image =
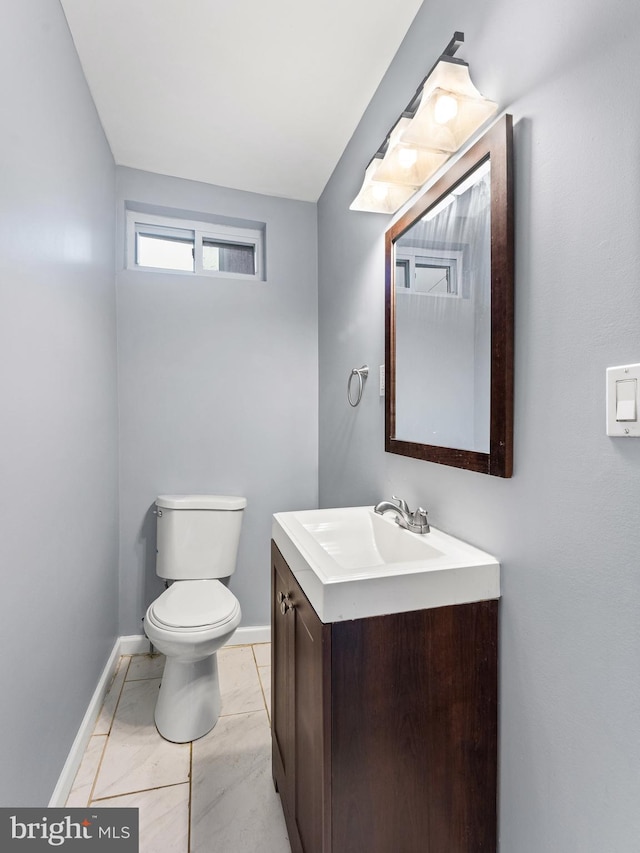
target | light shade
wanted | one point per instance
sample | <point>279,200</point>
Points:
<point>451,109</point>
<point>444,113</point>
<point>378,196</point>
<point>406,164</point>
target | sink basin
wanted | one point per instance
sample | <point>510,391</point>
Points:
<point>361,541</point>
<point>353,563</point>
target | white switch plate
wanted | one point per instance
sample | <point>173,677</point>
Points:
<point>623,373</point>
<point>382,380</point>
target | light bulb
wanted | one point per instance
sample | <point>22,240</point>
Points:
<point>379,191</point>
<point>407,157</point>
<point>445,109</point>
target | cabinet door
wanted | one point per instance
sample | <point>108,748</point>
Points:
<point>282,698</point>
<point>312,725</point>
<point>414,731</point>
<point>300,711</point>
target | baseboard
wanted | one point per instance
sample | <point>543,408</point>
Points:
<point>241,637</point>
<point>130,645</point>
<point>251,634</point>
<point>137,644</point>
<point>79,745</point>
<point>134,644</point>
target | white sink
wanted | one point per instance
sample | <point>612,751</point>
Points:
<point>353,563</point>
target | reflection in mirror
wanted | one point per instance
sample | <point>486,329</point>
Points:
<point>449,315</point>
<point>443,300</point>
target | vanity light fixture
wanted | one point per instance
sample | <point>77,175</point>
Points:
<point>445,112</point>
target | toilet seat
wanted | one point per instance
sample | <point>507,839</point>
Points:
<point>193,606</point>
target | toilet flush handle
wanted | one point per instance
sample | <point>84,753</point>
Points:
<point>157,512</point>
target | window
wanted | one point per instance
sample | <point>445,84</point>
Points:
<point>164,248</point>
<point>201,248</point>
<point>428,271</point>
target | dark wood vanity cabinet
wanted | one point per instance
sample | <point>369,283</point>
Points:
<point>301,660</point>
<point>384,729</point>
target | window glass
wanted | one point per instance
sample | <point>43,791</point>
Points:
<point>162,252</point>
<point>432,279</point>
<point>228,257</point>
<point>402,274</point>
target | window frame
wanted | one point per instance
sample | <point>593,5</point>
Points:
<point>166,226</point>
<point>452,260</point>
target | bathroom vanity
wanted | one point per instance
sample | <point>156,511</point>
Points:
<point>384,697</point>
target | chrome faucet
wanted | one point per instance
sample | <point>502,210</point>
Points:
<point>415,521</point>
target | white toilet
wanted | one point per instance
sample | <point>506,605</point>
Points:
<point>197,543</point>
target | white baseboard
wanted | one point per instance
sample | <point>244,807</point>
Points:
<point>251,634</point>
<point>136,644</point>
<point>62,789</point>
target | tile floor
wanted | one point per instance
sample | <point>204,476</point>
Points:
<point>214,795</point>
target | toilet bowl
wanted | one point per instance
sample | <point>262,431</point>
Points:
<point>188,623</point>
<point>197,614</point>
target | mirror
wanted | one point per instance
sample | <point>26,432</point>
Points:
<point>449,315</point>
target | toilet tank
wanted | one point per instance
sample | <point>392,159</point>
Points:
<point>197,535</point>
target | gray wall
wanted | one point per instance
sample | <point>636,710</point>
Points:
<point>218,386</point>
<point>565,527</point>
<point>58,453</point>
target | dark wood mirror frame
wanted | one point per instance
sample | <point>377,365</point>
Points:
<point>496,144</point>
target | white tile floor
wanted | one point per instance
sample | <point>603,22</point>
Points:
<point>214,795</point>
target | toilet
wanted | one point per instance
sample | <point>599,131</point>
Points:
<point>197,545</point>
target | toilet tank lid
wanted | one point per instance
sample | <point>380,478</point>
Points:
<point>223,502</point>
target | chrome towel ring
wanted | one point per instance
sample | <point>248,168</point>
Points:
<point>361,373</point>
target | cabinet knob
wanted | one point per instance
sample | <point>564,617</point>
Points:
<point>284,600</point>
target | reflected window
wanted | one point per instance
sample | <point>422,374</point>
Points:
<point>431,278</point>
<point>435,273</point>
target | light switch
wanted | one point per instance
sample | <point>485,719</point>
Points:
<point>626,393</point>
<point>622,400</point>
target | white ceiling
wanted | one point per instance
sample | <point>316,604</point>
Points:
<point>259,95</point>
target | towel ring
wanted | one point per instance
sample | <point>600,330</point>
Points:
<point>361,373</point>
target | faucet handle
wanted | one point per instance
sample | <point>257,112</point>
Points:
<point>419,521</point>
<point>401,503</point>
